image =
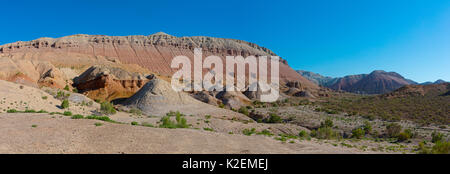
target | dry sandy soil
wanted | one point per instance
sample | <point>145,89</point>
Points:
<point>59,134</point>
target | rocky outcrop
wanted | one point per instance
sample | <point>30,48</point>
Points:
<point>154,52</point>
<point>108,83</point>
<point>158,98</point>
<point>32,73</point>
<point>233,99</point>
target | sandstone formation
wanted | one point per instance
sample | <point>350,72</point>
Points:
<point>108,83</point>
<point>32,73</point>
<point>154,52</point>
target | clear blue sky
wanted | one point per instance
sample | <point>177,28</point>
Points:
<point>334,38</point>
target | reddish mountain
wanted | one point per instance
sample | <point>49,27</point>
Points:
<point>154,52</point>
<point>377,82</point>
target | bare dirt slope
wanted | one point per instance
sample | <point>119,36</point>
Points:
<point>59,134</point>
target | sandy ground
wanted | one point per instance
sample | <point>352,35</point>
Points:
<point>60,134</point>
<point>21,97</point>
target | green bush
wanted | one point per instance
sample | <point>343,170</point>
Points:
<point>134,123</point>
<point>42,111</point>
<point>302,134</point>
<point>243,110</point>
<point>30,111</point>
<point>180,122</point>
<point>98,124</point>
<point>358,133</point>
<point>249,132</point>
<point>107,108</point>
<point>438,148</point>
<point>78,116</point>
<point>135,111</point>
<point>367,127</point>
<point>325,133</point>
<point>208,129</point>
<point>66,88</point>
<point>12,111</point>
<point>65,104</point>
<point>436,137</point>
<point>328,123</point>
<point>265,132</point>
<point>393,130</point>
<point>274,118</point>
<point>67,113</point>
<point>103,118</point>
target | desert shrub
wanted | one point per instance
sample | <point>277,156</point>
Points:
<point>243,110</point>
<point>66,88</point>
<point>67,113</point>
<point>78,116</point>
<point>107,108</point>
<point>44,97</point>
<point>325,133</point>
<point>135,111</point>
<point>265,132</point>
<point>75,90</point>
<point>436,137</point>
<point>303,134</point>
<point>65,104</point>
<point>393,130</point>
<point>166,122</point>
<point>208,129</point>
<point>358,133</point>
<point>98,124</point>
<point>438,148</point>
<point>221,105</point>
<point>134,123</point>
<point>30,111</point>
<point>405,135</point>
<point>12,111</point>
<point>327,123</point>
<point>441,147</point>
<point>367,127</point>
<point>96,117</point>
<point>274,118</point>
<point>249,132</point>
<point>147,124</point>
<point>42,111</point>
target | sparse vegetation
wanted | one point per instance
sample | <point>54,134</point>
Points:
<point>208,129</point>
<point>274,118</point>
<point>436,137</point>
<point>98,124</point>
<point>134,123</point>
<point>249,132</point>
<point>393,130</point>
<point>243,110</point>
<point>12,111</point>
<point>358,133</point>
<point>168,123</point>
<point>78,116</point>
<point>65,104</point>
<point>107,108</point>
<point>67,113</point>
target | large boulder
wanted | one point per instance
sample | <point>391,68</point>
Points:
<point>108,83</point>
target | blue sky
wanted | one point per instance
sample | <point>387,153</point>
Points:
<point>333,38</point>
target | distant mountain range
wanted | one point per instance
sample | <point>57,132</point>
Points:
<point>377,82</point>
<point>440,81</point>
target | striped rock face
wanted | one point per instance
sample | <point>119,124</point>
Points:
<point>152,53</point>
